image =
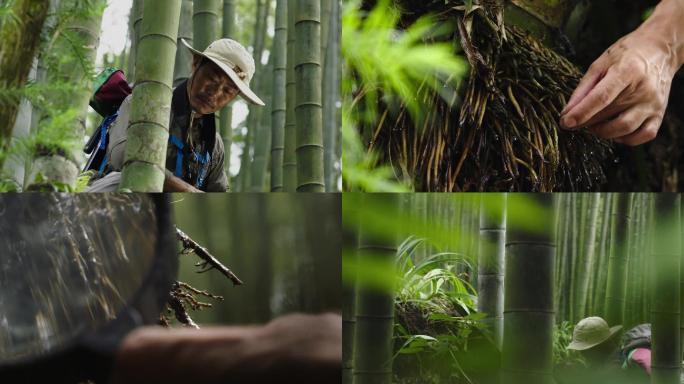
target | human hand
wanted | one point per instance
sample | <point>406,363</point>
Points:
<point>175,184</point>
<point>624,94</point>
<point>292,349</point>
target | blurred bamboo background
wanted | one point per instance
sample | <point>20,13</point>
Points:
<point>285,248</point>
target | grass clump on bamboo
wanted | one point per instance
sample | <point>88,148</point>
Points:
<point>500,132</point>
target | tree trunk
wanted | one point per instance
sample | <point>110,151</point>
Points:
<point>528,308</point>
<point>310,175</point>
<point>490,264</point>
<point>374,311</point>
<point>226,122</point>
<point>183,56</point>
<point>290,156</point>
<point>279,106</point>
<point>665,312</point>
<point>20,41</point>
<point>617,264</point>
<point>148,129</point>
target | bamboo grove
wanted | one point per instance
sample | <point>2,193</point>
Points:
<point>487,288</point>
<point>289,145</point>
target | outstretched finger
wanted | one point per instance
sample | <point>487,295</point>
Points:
<point>589,81</point>
<point>601,96</point>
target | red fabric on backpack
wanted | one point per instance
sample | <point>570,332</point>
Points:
<point>115,90</point>
<point>642,357</point>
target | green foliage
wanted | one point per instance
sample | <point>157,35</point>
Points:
<point>379,56</point>
<point>83,180</point>
<point>42,184</point>
<point>359,171</point>
<point>562,336</point>
<point>9,186</point>
<point>51,139</point>
<point>435,310</point>
<point>6,13</point>
<point>433,283</point>
<point>63,51</point>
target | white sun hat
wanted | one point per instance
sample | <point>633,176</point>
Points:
<point>235,61</point>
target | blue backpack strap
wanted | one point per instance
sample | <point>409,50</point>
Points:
<point>179,154</point>
<point>102,144</point>
<point>204,160</point>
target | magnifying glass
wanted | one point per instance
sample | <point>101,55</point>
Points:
<point>77,273</point>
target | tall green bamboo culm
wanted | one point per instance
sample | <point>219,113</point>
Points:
<point>226,116</point>
<point>665,294</point>
<point>527,353</point>
<point>588,256</point>
<point>331,95</point>
<point>350,241</point>
<point>148,129</point>
<point>374,309</point>
<point>58,168</point>
<point>681,274</point>
<point>490,263</point>
<point>308,77</point>
<point>205,23</point>
<point>253,119</point>
<point>262,136</point>
<point>279,106</point>
<point>261,126</point>
<point>136,19</point>
<point>617,264</point>
<point>183,56</point>
<point>290,142</point>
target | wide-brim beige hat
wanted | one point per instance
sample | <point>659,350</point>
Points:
<point>591,332</point>
<point>235,61</point>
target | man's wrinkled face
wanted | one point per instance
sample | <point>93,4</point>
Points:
<point>210,89</point>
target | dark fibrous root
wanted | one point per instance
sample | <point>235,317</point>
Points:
<point>503,133</point>
<point>184,297</point>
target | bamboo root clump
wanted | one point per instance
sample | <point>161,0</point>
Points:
<point>502,133</point>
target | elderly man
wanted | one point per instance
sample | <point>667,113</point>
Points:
<point>195,154</point>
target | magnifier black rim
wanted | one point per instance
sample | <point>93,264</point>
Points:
<point>164,245</point>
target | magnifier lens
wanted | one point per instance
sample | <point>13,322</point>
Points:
<point>68,264</point>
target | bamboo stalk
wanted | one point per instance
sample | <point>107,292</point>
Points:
<point>528,306</point>
<point>490,277</point>
<point>279,96</point>
<point>665,312</point>
<point>145,157</point>
<point>290,140</point>
<point>309,111</point>
<point>183,56</point>
<point>226,118</point>
<point>618,261</point>
<point>374,312</point>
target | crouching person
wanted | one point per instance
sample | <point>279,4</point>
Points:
<point>195,153</point>
<point>609,358</point>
